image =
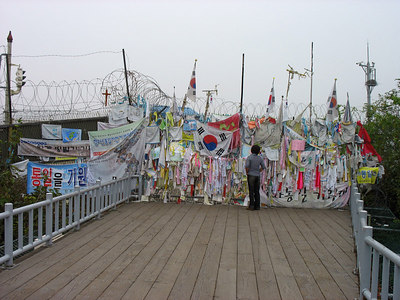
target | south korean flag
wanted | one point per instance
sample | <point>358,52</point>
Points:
<point>210,141</point>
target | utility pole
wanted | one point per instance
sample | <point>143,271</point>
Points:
<point>241,90</point>
<point>209,94</point>
<point>370,79</point>
<point>7,110</point>
<point>126,77</point>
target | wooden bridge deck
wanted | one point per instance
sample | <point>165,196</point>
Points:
<point>193,251</point>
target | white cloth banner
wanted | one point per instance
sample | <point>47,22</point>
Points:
<point>105,126</point>
<point>175,133</point>
<point>336,198</point>
<point>135,113</point>
<point>104,140</point>
<point>51,132</point>
<point>122,160</point>
<point>210,141</point>
<point>118,114</point>
<point>152,135</point>
<point>19,169</point>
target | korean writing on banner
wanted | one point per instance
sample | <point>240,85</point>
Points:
<point>63,178</point>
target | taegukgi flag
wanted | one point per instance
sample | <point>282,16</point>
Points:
<point>211,141</point>
<point>332,112</point>
<point>271,100</point>
<point>191,92</point>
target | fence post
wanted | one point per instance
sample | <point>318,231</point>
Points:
<point>8,237</point>
<point>77,206</point>
<point>98,191</point>
<point>365,255</point>
<point>49,219</point>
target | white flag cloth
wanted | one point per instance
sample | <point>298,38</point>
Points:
<point>191,92</point>
<point>332,112</point>
<point>211,141</point>
<point>135,113</point>
<point>347,119</point>
<point>118,114</point>
<point>271,101</point>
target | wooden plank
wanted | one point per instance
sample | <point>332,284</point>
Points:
<point>186,280</point>
<point>40,268</point>
<point>333,242</point>
<point>346,282</point>
<point>226,280</point>
<point>288,287</point>
<point>144,247</point>
<point>166,279</point>
<point>325,281</point>
<point>207,277</point>
<point>266,281</point>
<point>129,234</point>
<point>150,273</point>
<point>246,274</point>
<point>305,280</point>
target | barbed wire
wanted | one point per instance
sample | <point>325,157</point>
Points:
<point>85,99</point>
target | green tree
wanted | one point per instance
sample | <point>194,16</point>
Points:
<point>383,127</point>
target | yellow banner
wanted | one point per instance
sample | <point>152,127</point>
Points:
<point>367,175</point>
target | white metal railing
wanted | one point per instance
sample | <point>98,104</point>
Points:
<point>54,216</point>
<point>374,260</point>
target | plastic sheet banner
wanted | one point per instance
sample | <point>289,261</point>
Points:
<point>104,140</point>
<point>50,148</point>
<point>367,175</point>
<point>60,177</point>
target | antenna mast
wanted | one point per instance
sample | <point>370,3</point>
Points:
<point>370,79</point>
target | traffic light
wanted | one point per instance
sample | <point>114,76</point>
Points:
<point>20,77</point>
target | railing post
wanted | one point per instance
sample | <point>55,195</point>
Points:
<point>98,191</point>
<point>8,231</point>
<point>140,188</point>
<point>112,194</point>
<point>49,219</point>
<point>77,206</point>
<point>365,255</point>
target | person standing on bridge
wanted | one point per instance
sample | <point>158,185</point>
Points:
<point>254,165</point>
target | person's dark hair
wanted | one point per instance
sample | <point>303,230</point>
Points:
<point>255,149</point>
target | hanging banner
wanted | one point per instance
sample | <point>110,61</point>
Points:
<point>50,148</point>
<point>71,135</point>
<point>104,140</point>
<point>135,113</point>
<point>51,132</point>
<point>152,135</point>
<point>63,178</point>
<point>229,124</point>
<point>189,125</point>
<point>104,126</point>
<point>210,141</point>
<point>306,198</point>
<point>367,175</point>
<point>121,160</point>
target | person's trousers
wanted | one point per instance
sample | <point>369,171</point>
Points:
<point>254,191</point>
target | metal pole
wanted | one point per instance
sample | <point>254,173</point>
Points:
<point>7,110</point>
<point>126,78</point>
<point>241,91</point>
<point>312,73</point>
<point>207,104</point>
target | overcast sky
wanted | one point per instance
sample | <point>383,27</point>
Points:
<point>163,38</point>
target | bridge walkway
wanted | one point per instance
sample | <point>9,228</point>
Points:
<point>194,251</point>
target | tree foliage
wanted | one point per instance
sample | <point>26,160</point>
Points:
<point>383,126</point>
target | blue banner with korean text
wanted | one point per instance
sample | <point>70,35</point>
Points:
<point>63,178</point>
